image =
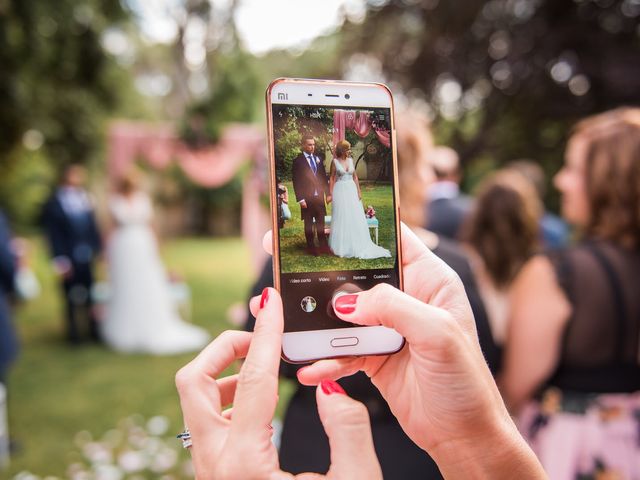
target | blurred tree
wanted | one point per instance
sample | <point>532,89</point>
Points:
<point>504,78</point>
<point>289,131</point>
<point>54,74</point>
<point>56,84</point>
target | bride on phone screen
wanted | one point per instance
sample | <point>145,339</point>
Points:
<point>349,230</point>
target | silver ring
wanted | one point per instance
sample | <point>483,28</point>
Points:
<point>185,436</point>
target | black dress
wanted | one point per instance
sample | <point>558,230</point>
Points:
<point>304,445</point>
<point>585,420</point>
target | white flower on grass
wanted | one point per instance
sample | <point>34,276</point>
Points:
<point>26,476</point>
<point>108,472</point>
<point>80,475</point>
<point>137,437</point>
<point>151,445</point>
<point>158,425</point>
<point>164,460</point>
<point>97,453</point>
<point>132,461</point>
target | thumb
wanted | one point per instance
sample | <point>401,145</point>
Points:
<point>346,422</point>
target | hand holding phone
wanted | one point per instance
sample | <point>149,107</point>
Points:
<point>438,385</point>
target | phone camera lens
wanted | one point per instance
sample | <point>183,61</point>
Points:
<point>347,96</point>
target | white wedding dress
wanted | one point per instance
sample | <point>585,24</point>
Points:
<point>349,230</point>
<point>140,315</point>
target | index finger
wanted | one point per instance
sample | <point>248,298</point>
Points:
<point>257,390</point>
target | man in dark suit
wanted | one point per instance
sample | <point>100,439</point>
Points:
<point>311,186</point>
<point>447,207</point>
<point>70,225</point>
<point>8,337</point>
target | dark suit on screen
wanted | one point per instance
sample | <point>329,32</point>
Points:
<point>74,238</point>
<point>312,187</point>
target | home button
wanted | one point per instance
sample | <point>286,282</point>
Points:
<point>344,341</point>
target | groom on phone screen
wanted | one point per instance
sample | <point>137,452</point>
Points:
<point>311,185</point>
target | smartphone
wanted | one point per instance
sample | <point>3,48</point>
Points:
<point>334,204</point>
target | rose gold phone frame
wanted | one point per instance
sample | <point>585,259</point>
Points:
<point>272,172</point>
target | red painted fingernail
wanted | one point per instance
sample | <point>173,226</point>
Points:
<point>330,387</point>
<point>345,303</point>
<point>264,298</point>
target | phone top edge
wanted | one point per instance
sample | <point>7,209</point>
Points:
<point>328,93</point>
<point>323,81</point>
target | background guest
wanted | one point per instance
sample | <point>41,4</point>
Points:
<point>416,176</point>
<point>447,207</point>
<point>572,368</point>
<point>500,235</point>
<point>554,230</point>
<point>8,268</point>
<point>70,225</point>
<point>284,212</point>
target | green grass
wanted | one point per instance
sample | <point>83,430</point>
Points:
<point>56,391</point>
<point>294,259</point>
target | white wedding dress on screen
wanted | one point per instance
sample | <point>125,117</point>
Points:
<point>140,315</point>
<point>349,235</point>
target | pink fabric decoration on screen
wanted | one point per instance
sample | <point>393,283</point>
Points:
<point>363,124</point>
<point>360,122</point>
<point>384,137</point>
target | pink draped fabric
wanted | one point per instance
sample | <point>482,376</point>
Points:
<point>158,145</point>
<point>360,122</point>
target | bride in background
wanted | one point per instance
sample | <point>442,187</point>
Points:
<point>140,315</point>
<point>349,230</point>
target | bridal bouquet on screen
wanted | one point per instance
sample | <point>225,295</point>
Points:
<point>370,212</point>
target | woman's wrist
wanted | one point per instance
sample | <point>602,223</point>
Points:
<point>500,452</point>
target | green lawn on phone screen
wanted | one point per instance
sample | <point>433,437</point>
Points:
<point>294,258</point>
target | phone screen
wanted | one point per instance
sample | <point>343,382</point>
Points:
<point>336,208</point>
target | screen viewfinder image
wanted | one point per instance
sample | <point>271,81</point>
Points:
<point>335,207</point>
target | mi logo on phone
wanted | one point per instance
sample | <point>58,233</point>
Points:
<point>283,96</point>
